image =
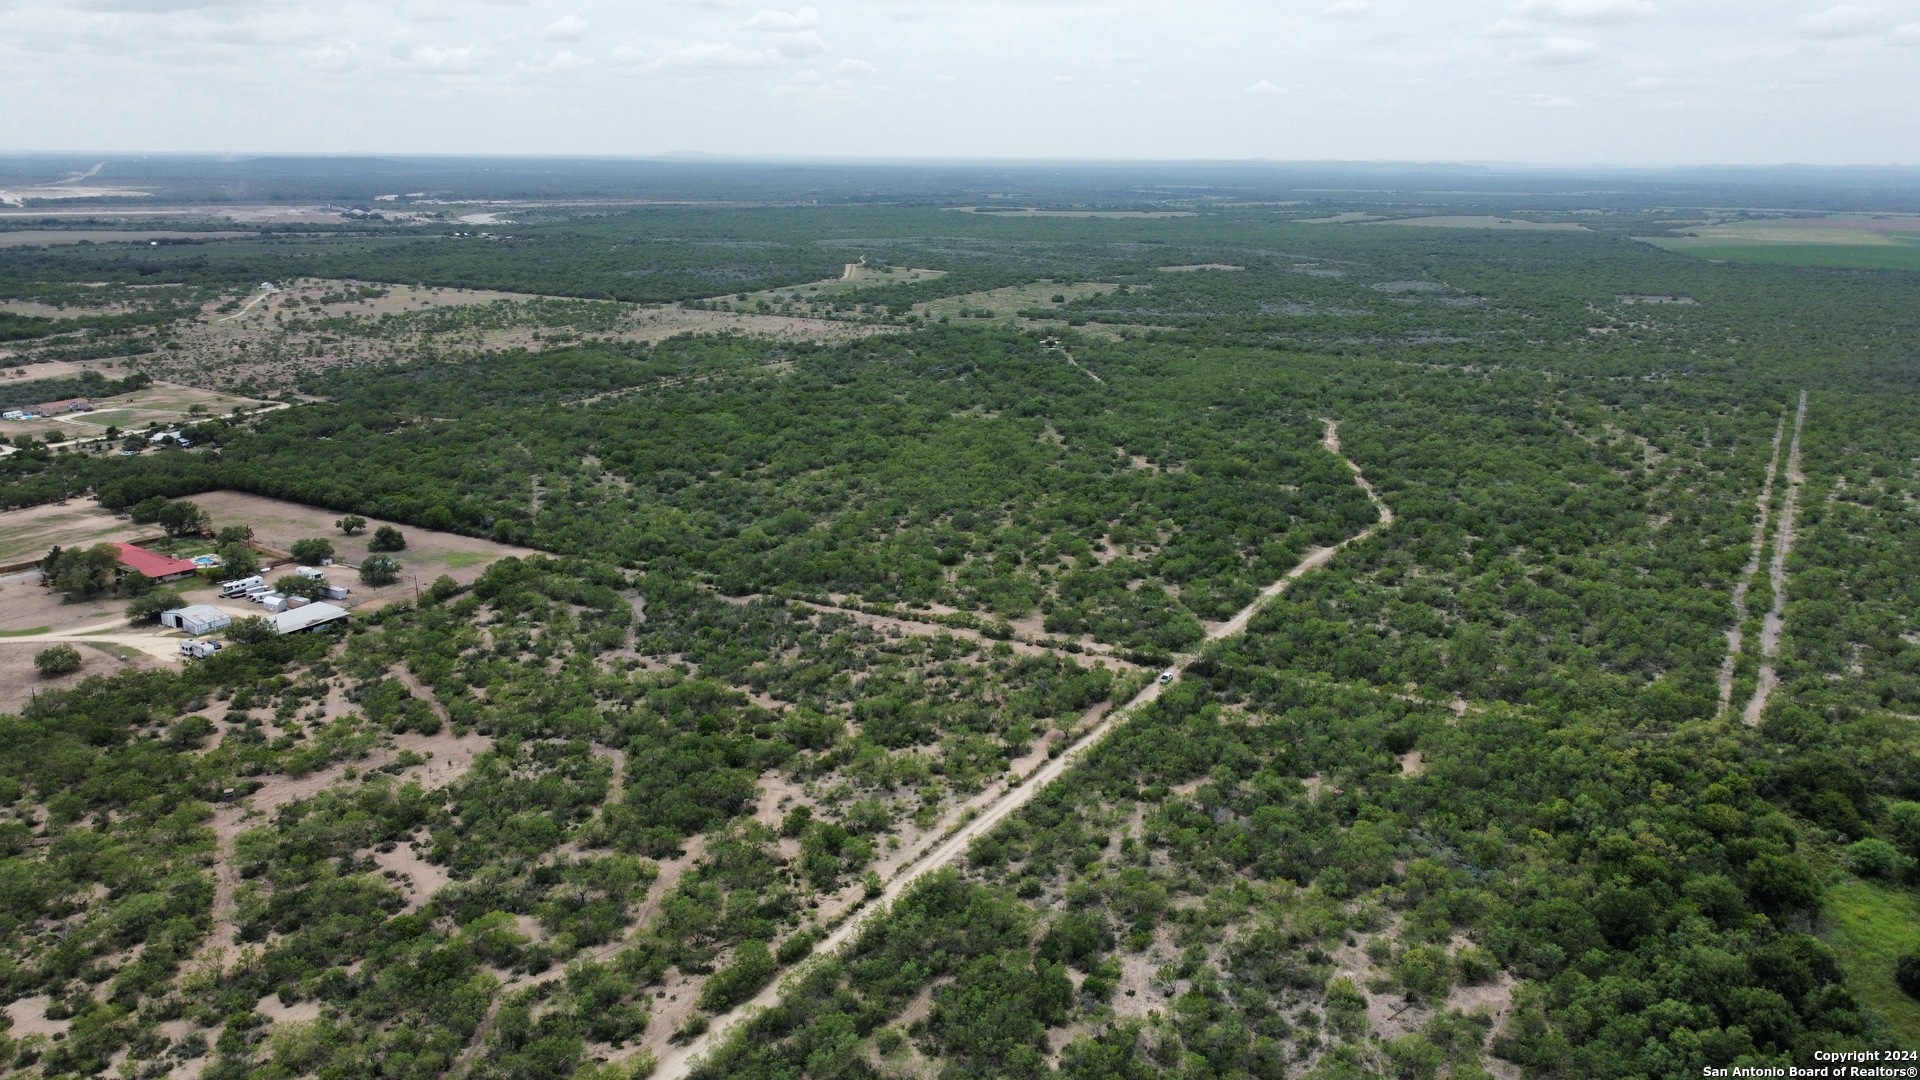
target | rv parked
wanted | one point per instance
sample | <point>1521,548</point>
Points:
<point>198,650</point>
<point>311,573</point>
<point>237,586</point>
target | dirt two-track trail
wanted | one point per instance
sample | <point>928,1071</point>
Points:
<point>681,1061</point>
<point>1777,572</point>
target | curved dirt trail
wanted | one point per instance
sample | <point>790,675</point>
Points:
<point>1765,502</point>
<point>679,1062</point>
<point>1782,547</point>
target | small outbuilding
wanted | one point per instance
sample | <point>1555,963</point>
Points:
<point>197,619</point>
<point>294,620</point>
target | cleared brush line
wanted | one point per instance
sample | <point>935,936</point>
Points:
<point>1055,345</point>
<point>680,1062</point>
<point>1764,501</point>
<point>1777,573</point>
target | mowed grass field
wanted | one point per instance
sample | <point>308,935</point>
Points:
<point>1900,255</point>
<point>1846,241</point>
<point>1870,926</point>
<point>27,534</point>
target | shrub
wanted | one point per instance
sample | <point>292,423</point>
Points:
<point>312,552</point>
<point>379,570</point>
<point>351,524</point>
<point>1875,858</point>
<point>752,966</point>
<point>57,660</point>
<point>387,538</point>
<point>1906,827</point>
<point>1906,973</point>
<point>189,732</point>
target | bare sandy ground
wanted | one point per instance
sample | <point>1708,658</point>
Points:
<point>1782,547</point>
<point>20,683</point>
<point>1764,502</point>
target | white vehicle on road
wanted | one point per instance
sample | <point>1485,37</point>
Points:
<point>1167,676</point>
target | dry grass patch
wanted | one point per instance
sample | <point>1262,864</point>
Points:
<point>28,533</point>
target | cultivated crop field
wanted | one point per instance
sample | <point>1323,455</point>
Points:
<point>1159,635</point>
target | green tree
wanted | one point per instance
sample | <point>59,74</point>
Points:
<point>147,511</point>
<point>57,660</point>
<point>233,534</point>
<point>82,573</point>
<point>387,538</point>
<point>351,524</point>
<point>312,551</point>
<point>250,630</point>
<point>238,561</point>
<point>183,519</point>
<point>148,608</point>
<point>295,585</point>
<point>379,570</point>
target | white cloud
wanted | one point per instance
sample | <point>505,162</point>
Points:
<point>1264,88</point>
<point>1560,51</point>
<point>442,59</point>
<point>1587,11</point>
<point>1549,101</point>
<point>714,56</point>
<point>336,57</point>
<point>855,67</point>
<point>566,28</point>
<point>1346,9</point>
<point>778,21</point>
<point>1843,21</point>
<point>811,87</point>
<point>559,63</point>
<point>799,46</point>
<point>1906,34</point>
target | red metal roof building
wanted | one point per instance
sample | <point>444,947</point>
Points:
<point>153,564</point>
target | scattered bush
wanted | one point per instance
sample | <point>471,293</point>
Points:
<point>57,660</point>
<point>379,570</point>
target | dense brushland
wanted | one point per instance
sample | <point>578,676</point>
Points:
<point>1462,801</point>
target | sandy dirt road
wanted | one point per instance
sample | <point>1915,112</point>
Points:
<point>1782,547</point>
<point>1764,501</point>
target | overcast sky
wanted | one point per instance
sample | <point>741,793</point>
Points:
<point>1564,81</point>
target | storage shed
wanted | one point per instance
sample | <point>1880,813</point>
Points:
<point>294,620</point>
<point>197,619</point>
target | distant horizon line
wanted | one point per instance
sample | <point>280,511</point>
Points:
<point>701,156</point>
